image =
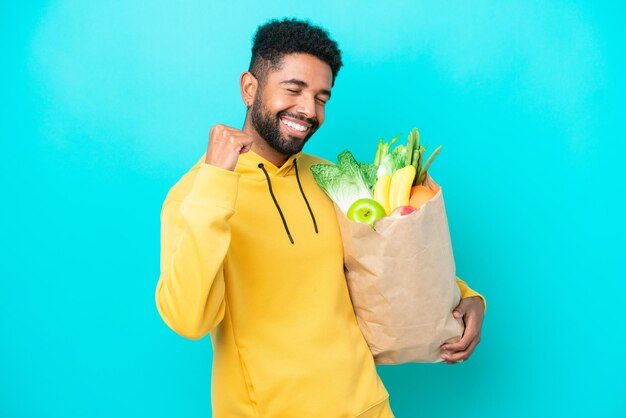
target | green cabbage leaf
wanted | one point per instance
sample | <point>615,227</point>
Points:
<point>347,181</point>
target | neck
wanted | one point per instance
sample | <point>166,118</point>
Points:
<point>261,147</point>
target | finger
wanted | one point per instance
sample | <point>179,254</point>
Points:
<point>459,311</point>
<point>461,355</point>
<point>460,345</point>
<point>241,143</point>
<point>468,336</point>
<point>245,148</point>
<point>469,333</point>
<point>465,306</point>
<point>216,130</point>
<point>243,137</point>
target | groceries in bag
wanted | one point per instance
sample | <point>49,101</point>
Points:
<point>399,265</point>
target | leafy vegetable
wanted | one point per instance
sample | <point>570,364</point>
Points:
<point>369,174</point>
<point>401,171</point>
<point>350,180</point>
<point>393,161</point>
<point>412,154</point>
<point>344,183</point>
<point>383,149</point>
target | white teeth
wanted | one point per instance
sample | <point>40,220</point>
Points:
<point>294,125</point>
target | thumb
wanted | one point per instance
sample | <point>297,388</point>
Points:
<point>459,311</point>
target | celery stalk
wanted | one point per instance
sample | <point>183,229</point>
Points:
<point>427,165</point>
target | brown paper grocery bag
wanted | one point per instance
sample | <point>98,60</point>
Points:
<point>402,282</point>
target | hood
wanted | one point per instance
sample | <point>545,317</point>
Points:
<point>248,165</point>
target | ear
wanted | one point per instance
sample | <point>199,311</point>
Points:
<point>249,85</point>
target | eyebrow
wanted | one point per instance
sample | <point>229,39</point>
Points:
<point>303,84</point>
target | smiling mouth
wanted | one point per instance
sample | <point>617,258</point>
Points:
<point>295,128</point>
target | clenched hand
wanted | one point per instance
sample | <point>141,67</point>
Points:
<point>225,146</point>
<point>472,310</point>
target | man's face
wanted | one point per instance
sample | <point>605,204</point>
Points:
<point>289,108</point>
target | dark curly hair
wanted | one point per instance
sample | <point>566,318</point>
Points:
<point>277,38</point>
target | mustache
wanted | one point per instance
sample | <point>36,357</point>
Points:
<point>313,122</point>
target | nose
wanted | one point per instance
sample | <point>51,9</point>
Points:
<point>306,107</point>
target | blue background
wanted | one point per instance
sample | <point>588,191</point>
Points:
<point>105,104</point>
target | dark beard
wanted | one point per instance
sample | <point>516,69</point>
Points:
<point>268,127</point>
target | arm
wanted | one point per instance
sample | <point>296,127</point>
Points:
<point>195,236</point>
<point>467,292</point>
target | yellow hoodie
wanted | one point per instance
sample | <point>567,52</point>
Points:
<point>263,274</point>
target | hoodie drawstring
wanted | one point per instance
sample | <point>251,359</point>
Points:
<point>305,200</point>
<point>280,212</point>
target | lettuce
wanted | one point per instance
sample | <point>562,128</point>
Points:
<point>393,161</point>
<point>347,181</point>
<point>369,174</point>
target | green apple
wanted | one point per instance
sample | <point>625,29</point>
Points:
<point>366,211</point>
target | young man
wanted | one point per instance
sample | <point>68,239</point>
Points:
<point>251,251</point>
